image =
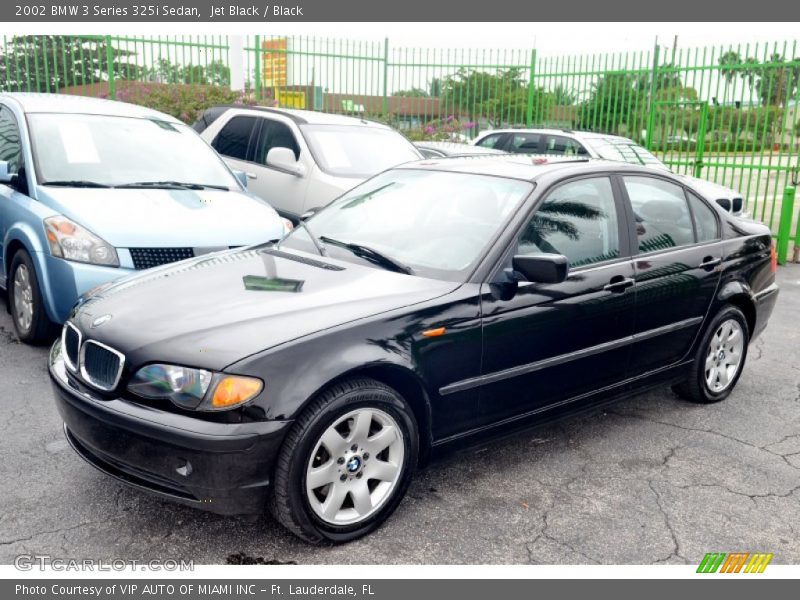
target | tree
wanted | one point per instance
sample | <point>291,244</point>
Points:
<point>774,81</point>
<point>729,65</point>
<point>49,63</point>
<point>414,92</point>
<point>564,96</point>
<point>500,98</point>
<point>215,72</point>
<point>616,100</point>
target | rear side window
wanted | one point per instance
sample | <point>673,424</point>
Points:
<point>704,219</point>
<point>525,143</point>
<point>558,144</point>
<point>662,215</point>
<point>234,138</point>
<point>491,141</point>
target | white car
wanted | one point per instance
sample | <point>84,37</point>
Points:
<point>300,160</point>
<point>599,145</point>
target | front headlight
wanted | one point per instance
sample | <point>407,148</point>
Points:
<point>194,389</point>
<point>70,241</point>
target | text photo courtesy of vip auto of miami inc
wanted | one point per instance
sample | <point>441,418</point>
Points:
<point>288,296</point>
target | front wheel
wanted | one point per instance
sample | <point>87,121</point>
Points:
<point>719,359</point>
<point>25,302</point>
<point>346,463</point>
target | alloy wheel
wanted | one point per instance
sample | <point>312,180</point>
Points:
<point>23,298</point>
<point>724,356</point>
<point>355,466</point>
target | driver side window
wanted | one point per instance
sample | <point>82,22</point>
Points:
<point>274,134</point>
<point>10,146</point>
<point>579,220</point>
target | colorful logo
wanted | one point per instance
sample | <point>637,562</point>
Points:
<point>736,562</point>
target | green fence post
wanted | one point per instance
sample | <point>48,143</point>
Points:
<point>700,143</point>
<point>529,112</point>
<point>651,101</point>
<point>796,253</point>
<point>785,223</point>
<point>112,92</point>
<point>257,66</point>
<point>385,76</point>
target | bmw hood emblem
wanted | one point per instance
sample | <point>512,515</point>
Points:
<point>100,321</point>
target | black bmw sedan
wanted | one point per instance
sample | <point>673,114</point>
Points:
<point>438,302</point>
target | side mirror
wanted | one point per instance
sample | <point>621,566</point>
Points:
<point>724,203</point>
<point>283,159</point>
<point>541,268</point>
<point>241,176</point>
<point>5,176</point>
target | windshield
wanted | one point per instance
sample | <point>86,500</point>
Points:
<point>357,150</point>
<point>110,150</point>
<point>438,224</point>
<point>625,151</point>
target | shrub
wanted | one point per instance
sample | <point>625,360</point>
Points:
<point>443,129</point>
<point>183,101</point>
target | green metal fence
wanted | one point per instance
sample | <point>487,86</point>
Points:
<point>729,114</point>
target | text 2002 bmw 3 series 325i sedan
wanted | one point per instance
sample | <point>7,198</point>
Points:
<point>436,302</point>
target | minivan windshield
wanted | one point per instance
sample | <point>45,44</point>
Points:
<point>357,150</point>
<point>102,150</point>
<point>431,223</point>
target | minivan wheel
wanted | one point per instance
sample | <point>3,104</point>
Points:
<point>346,463</point>
<point>719,358</point>
<point>25,302</point>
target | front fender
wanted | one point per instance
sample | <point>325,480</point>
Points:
<point>24,235</point>
<point>296,374</point>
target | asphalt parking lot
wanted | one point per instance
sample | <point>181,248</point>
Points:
<point>652,479</point>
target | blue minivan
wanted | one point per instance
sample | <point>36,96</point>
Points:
<point>92,190</point>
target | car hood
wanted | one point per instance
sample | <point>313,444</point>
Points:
<point>711,190</point>
<point>214,310</point>
<point>134,218</point>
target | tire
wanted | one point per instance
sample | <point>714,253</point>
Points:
<point>346,409</point>
<point>711,377</point>
<point>25,303</point>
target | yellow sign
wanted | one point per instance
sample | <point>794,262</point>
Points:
<point>290,99</point>
<point>273,62</point>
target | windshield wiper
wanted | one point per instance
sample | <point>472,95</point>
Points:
<point>169,185</point>
<point>314,239</point>
<point>76,183</point>
<point>370,254</point>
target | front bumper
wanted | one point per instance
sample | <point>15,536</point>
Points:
<point>66,280</point>
<point>218,467</point>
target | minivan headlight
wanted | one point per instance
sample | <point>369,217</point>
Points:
<point>194,389</point>
<point>70,241</point>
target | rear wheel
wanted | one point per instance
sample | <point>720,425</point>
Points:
<point>347,462</point>
<point>719,359</point>
<point>25,302</point>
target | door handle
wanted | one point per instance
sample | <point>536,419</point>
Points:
<point>251,175</point>
<point>710,262</point>
<point>618,283</point>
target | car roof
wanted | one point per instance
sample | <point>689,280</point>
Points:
<point>32,102</point>
<point>302,117</point>
<point>527,167</point>
<point>577,133</point>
